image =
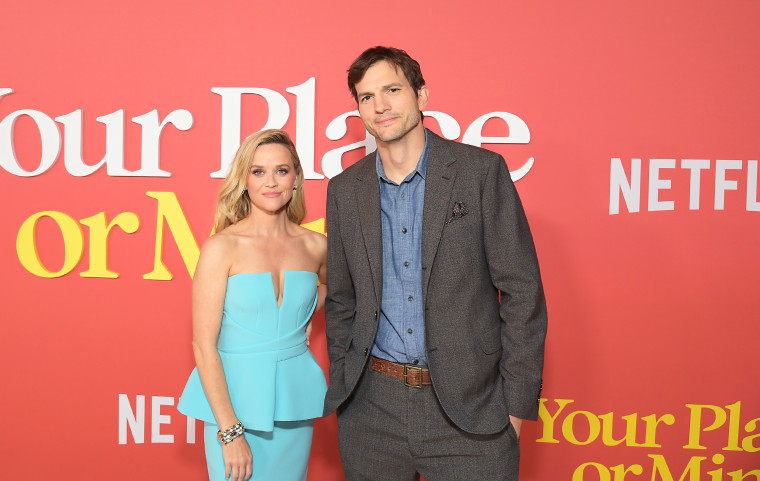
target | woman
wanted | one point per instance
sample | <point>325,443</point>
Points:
<point>256,384</point>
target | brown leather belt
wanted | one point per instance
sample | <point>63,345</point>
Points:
<point>411,375</point>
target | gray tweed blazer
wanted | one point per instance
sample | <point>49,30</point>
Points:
<point>485,312</point>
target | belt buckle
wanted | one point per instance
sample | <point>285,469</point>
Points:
<point>418,385</point>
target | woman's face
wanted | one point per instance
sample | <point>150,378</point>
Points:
<point>271,178</point>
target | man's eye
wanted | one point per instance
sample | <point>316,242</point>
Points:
<point>393,90</point>
<point>366,98</point>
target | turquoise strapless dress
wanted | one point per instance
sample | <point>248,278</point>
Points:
<point>271,374</point>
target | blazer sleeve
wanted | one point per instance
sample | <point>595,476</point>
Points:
<point>340,302</point>
<point>514,270</point>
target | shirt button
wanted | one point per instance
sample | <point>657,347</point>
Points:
<point>403,230</point>
<point>410,298</point>
<point>409,330</point>
<point>403,196</point>
<point>416,361</point>
<point>406,264</point>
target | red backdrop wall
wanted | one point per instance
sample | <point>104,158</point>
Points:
<point>633,126</point>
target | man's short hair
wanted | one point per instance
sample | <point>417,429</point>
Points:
<point>394,56</point>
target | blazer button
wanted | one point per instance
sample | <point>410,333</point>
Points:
<point>366,351</point>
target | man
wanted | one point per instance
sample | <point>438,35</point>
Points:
<point>435,311</point>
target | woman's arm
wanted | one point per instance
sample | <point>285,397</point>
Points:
<point>320,252</point>
<point>209,288</point>
<point>322,273</point>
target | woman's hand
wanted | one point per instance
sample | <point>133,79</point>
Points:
<point>308,332</point>
<point>238,460</point>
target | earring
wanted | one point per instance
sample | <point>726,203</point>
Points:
<point>295,187</point>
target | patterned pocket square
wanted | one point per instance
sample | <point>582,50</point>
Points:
<point>459,211</point>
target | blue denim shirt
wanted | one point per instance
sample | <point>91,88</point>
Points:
<point>401,330</point>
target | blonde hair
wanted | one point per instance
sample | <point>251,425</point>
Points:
<point>234,204</point>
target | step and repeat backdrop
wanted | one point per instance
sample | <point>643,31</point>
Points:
<point>631,129</point>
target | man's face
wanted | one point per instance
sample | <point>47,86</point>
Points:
<point>388,105</point>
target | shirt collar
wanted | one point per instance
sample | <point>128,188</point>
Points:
<point>420,169</point>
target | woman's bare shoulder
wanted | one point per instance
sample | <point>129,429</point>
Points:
<point>220,246</point>
<point>313,242</point>
<point>314,239</point>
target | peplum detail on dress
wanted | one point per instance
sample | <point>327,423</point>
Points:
<point>271,374</point>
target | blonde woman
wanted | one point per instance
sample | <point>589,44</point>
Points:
<point>256,384</point>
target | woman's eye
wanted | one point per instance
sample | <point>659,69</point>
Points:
<point>282,171</point>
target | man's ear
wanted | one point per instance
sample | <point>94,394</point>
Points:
<point>423,96</point>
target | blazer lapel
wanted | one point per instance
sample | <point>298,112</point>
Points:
<point>367,192</point>
<point>438,185</point>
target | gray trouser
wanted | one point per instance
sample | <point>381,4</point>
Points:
<point>391,432</point>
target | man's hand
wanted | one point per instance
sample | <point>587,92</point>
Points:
<point>517,424</point>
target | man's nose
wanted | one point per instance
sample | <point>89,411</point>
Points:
<point>381,105</point>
